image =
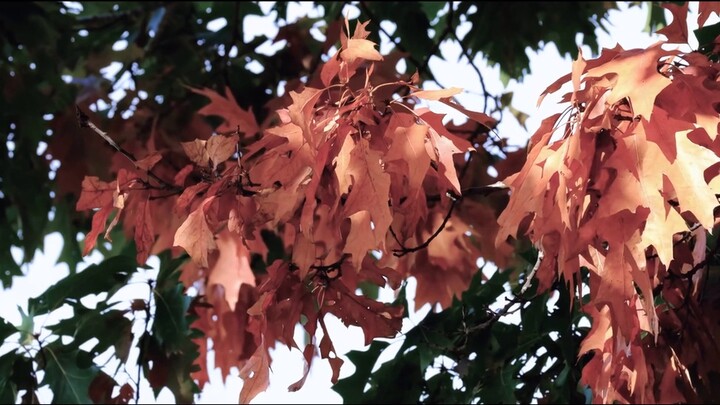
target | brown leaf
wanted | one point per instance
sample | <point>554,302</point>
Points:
<point>95,193</point>
<point>445,145</point>
<point>706,8</point>
<point>376,319</point>
<point>144,231</point>
<point>370,189</point>
<point>255,375</point>
<point>677,31</point>
<point>235,118</point>
<point>221,147</point>
<point>196,152</point>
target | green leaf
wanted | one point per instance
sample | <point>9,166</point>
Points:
<point>171,305</point>
<point>16,374</point>
<point>369,289</point>
<point>8,266</point>
<point>168,351</point>
<point>69,382</point>
<point>171,323</point>
<point>351,388</point>
<point>110,328</point>
<point>6,329</point>
<point>62,222</point>
<point>706,36</point>
<point>107,276</point>
<point>432,8</point>
<point>8,390</point>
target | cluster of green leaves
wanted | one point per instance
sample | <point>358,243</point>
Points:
<point>470,353</point>
<point>93,327</point>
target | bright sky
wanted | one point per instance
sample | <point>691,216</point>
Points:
<point>546,66</point>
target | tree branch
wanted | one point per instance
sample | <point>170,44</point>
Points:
<point>486,94</point>
<point>405,250</point>
<point>448,30</point>
<point>84,122</point>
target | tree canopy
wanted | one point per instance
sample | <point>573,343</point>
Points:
<point>284,180</point>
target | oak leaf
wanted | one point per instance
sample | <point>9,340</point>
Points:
<point>232,268</point>
<point>195,235</point>
<point>445,145</point>
<point>370,189</point>
<point>255,374</point>
<point>235,118</point>
<point>437,94</point>
<point>220,148</point>
<point>677,31</point>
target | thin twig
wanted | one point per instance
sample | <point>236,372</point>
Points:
<point>486,94</point>
<point>534,270</point>
<point>332,266</point>
<point>495,316</point>
<point>405,250</point>
<point>141,352</point>
<point>84,122</point>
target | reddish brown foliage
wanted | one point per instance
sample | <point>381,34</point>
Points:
<point>625,186</point>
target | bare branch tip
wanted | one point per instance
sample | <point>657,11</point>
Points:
<point>82,118</point>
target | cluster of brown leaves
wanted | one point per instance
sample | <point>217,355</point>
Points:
<point>351,175</point>
<point>629,191</point>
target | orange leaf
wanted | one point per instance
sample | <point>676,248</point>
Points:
<point>221,147</point>
<point>445,145</point>
<point>408,148</point>
<point>578,67</point>
<point>437,94</point>
<point>232,268</point>
<point>195,236</point>
<point>95,193</point>
<point>360,239</point>
<point>633,74</point>
<point>600,330</point>
<point>301,111</point>
<point>360,48</point>
<point>98,225</point>
<point>686,176</point>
